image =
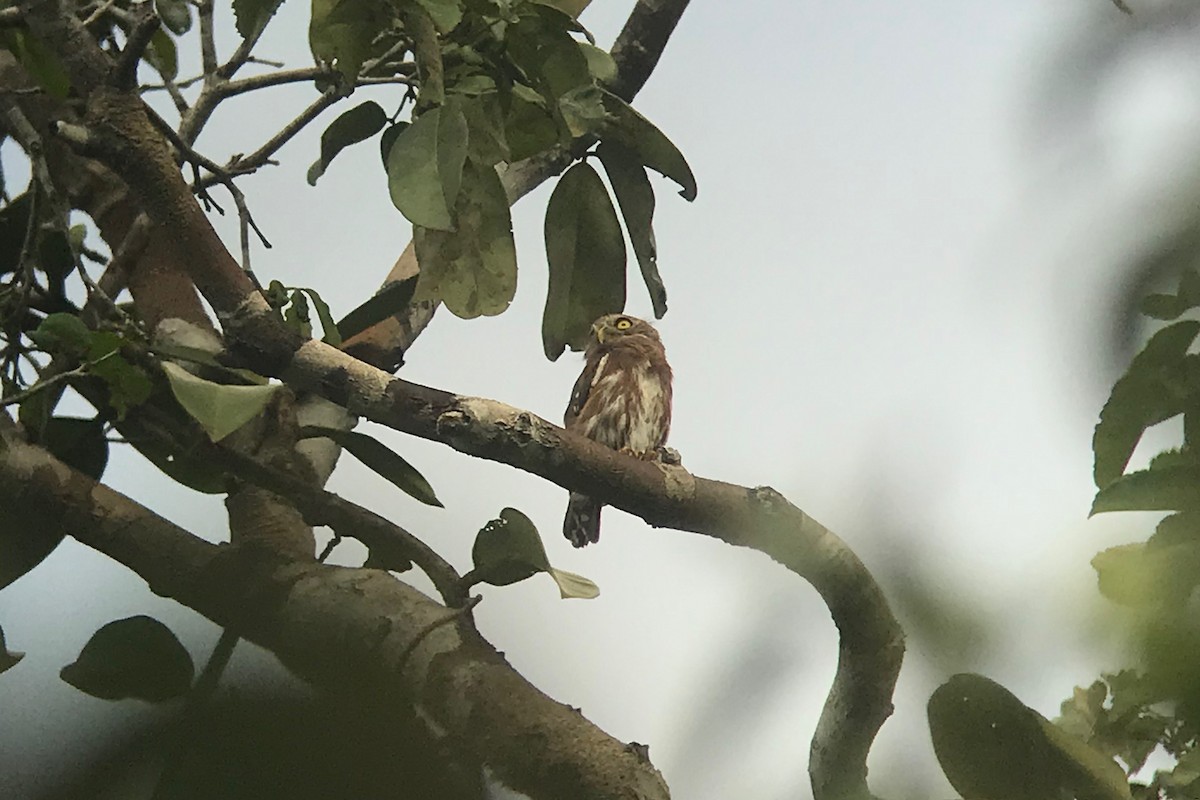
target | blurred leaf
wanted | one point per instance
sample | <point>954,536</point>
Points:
<point>333,336</point>
<point>25,541</point>
<point>219,408</point>
<point>193,472</point>
<point>529,128</point>
<point>381,459</point>
<point>486,144</point>
<point>1152,390</point>
<point>342,32</point>
<point>599,62</point>
<point>1140,576</point>
<point>62,332</point>
<point>1090,774</point>
<point>586,256</point>
<point>653,148</point>
<point>507,550</point>
<point>425,166</point>
<point>635,196</point>
<point>353,126</point>
<point>541,46</point>
<point>574,586</point>
<point>39,60</point>
<point>14,225</point>
<point>78,443</point>
<point>391,299</point>
<point>252,15</point>
<point>8,658</point>
<point>162,55</point>
<point>135,657</point>
<point>128,384</point>
<point>54,254</point>
<point>583,111</point>
<point>296,314</point>
<point>1162,489</point>
<point>472,270</point>
<point>990,745</point>
<point>175,15</point>
<point>445,14</point>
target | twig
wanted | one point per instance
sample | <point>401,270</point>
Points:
<point>244,50</point>
<point>99,13</point>
<point>125,73</point>
<point>54,380</point>
<point>454,615</point>
<point>208,44</point>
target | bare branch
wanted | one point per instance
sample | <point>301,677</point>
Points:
<point>145,26</point>
<point>208,40</point>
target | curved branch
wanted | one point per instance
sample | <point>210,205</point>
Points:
<point>359,634</point>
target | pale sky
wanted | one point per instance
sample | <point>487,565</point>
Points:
<point>887,302</point>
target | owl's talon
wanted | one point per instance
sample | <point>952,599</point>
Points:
<point>669,456</point>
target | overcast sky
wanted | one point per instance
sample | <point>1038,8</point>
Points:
<point>887,302</point>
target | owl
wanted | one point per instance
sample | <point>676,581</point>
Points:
<point>621,399</point>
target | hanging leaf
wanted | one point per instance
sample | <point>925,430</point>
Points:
<point>8,658</point>
<point>583,111</point>
<point>529,128</point>
<point>635,196</point>
<point>599,62</point>
<point>653,148</point>
<point>25,541</point>
<point>135,657</point>
<point>507,550</point>
<point>1140,576</point>
<point>62,332</point>
<point>572,586</point>
<point>219,408</point>
<point>486,144</point>
<point>40,61</point>
<point>332,336</point>
<point>252,15</point>
<point>381,459</point>
<point>128,384</point>
<point>388,139</point>
<point>175,15</point>
<point>14,226</point>
<point>1156,387</point>
<point>472,270</point>
<point>342,32</point>
<point>425,166</point>
<point>391,299</point>
<point>586,256</point>
<point>353,126</point>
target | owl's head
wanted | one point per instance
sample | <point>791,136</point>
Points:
<point>612,328</point>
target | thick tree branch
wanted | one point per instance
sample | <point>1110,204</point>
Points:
<point>356,633</point>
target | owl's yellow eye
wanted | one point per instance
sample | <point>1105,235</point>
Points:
<point>623,324</point>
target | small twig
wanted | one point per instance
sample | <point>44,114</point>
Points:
<point>453,616</point>
<point>233,88</point>
<point>266,62</point>
<point>208,44</point>
<point>125,73</point>
<point>22,396</point>
<point>334,542</point>
<point>99,13</point>
<point>1121,5</point>
<point>181,103</point>
<point>242,54</point>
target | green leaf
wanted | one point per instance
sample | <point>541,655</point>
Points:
<point>353,126</point>
<point>175,15</point>
<point>219,408</point>
<point>473,270</point>
<point>8,658</point>
<point>128,384</point>
<point>446,14</point>
<point>391,299</point>
<point>583,110</point>
<point>78,443</point>
<point>195,473</point>
<point>425,166</point>
<point>540,45</point>
<point>1089,773</point>
<point>14,225</point>
<point>586,256</point>
<point>252,15</point>
<point>62,332</point>
<point>1146,577</point>
<point>634,194</point>
<point>40,61</point>
<point>162,55</point>
<point>343,32</point>
<point>989,744</point>
<point>333,337</point>
<point>507,550</point>
<point>653,148</point>
<point>599,62</point>
<point>54,254</point>
<point>381,459</point>
<point>297,314</point>
<point>572,586</point>
<point>25,541</point>
<point>1163,306</point>
<point>1155,388</point>
<point>1174,488</point>
<point>529,128</point>
<point>135,657</point>
<point>486,142</point>
<point>388,139</point>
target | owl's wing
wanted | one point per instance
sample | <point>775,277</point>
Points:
<point>583,386</point>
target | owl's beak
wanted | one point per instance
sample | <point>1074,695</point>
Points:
<point>598,332</point>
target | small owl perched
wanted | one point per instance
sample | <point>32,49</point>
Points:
<point>621,399</point>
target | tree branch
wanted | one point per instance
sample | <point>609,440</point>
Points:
<point>359,634</point>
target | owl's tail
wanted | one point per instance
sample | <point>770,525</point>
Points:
<point>582,522</point>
